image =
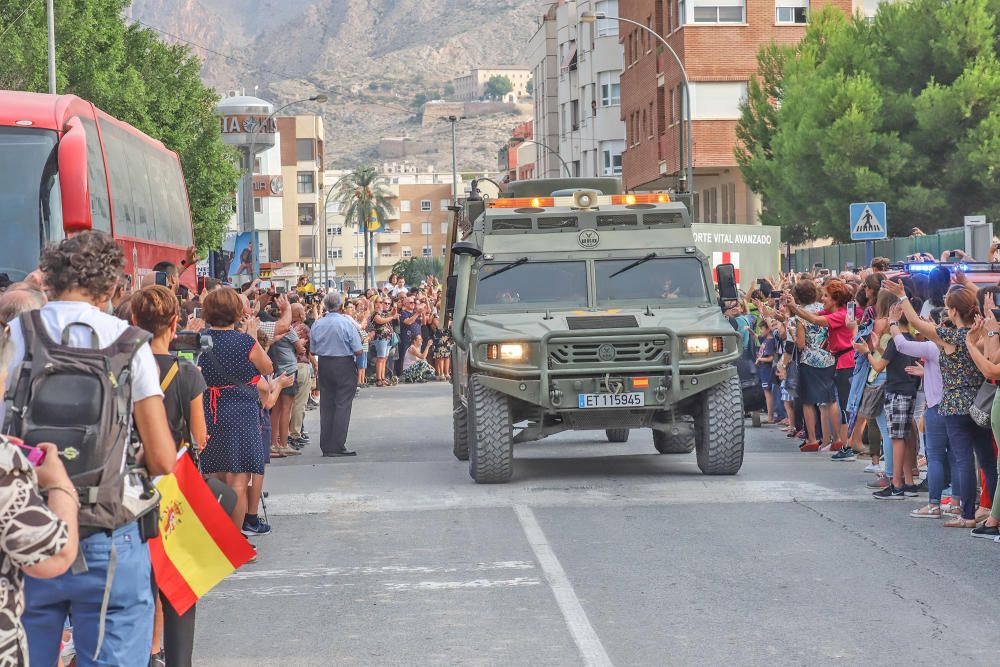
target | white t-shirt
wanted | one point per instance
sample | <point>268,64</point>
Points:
<point>57,315</point>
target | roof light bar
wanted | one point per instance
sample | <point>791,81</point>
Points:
<point>602,200</point>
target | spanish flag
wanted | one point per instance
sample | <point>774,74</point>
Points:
<point>198,545</point>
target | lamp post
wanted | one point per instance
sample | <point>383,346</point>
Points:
<point>522,140</point>
<point>247,205</point>
<point>326,237</point>
<point>454,158</point>
<point>592,17</point>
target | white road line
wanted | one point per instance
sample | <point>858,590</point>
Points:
<point>583,633</point>
<point>313,572</point>
<point>668,492</point>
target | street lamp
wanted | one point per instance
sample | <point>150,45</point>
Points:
<point>454,159</point>
<point>248,212</point>
<point>522,140</point>
<point>592,17</point>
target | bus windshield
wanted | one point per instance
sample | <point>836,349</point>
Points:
<point>523,285</point>
<point>650,279</point>
<point>30,207</point>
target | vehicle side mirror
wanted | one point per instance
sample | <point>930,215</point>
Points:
<point>73,186</point>
<point>726,278</point>
<point>465,248</point>
<point>451,289</point>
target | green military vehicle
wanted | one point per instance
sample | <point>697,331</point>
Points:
<point>576,307</point>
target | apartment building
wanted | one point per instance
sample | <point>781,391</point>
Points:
<point>472,86</point>
<point>718,41</point>
<point>577,91</point>
<point>292,250</point>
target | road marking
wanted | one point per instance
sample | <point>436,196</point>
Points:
<point>583,633</point>
<point>313,572</point>
<point>668,492</point>
<point>463,585</point>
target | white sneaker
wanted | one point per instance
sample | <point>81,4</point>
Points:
<point>873,467</point>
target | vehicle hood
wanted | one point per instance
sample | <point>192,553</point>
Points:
<point>534,326</point>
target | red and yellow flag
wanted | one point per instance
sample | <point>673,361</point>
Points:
<point>198,545</point>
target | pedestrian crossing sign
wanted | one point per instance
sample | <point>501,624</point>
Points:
<point>868,221</point>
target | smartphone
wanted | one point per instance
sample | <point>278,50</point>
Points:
<point>281,289</point>
<point>161,278</point>
<point>996,313</point>
<point>776,294</point>
<point>852,308</point>
<point>264,284</point>
<point>824,272</point>
<point>186,341</point>
<point>197,313</point>
<point>34,455</point>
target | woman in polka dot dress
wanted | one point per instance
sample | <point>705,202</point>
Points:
<point>232,369</point>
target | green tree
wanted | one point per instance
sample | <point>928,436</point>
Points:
<point>363,196</point>
<point>497,87</point>
<point>129,73</point>
<point>416,269</point>
<point>530,86</point>
<point>904,109</point>
<point>449,90</point>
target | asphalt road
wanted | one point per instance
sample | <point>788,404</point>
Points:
<point>595,554</point>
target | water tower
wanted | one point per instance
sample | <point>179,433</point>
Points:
<point>248,124</point>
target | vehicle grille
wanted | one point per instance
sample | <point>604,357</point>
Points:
<point>602,322</point>
<point>653,352</point>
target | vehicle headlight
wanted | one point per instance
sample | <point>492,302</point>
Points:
<point>506,351</point>
<point>704,344</point>
<point>697,345</point>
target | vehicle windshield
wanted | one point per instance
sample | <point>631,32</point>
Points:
<point>532,284</point>
<point>676,279</point>
<point>30,207</point>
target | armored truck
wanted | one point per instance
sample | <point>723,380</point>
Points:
<point>577,307</point>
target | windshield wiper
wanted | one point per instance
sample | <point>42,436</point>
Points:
<point>634,264</point>
<point>515,263</point>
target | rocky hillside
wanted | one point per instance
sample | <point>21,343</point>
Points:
<point>373,58</point>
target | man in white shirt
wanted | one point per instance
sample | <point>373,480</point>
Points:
<point>81,274</point>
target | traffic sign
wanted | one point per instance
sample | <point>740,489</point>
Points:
<point>868,221</point>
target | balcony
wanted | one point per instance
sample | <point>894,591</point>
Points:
<point>386,238</point>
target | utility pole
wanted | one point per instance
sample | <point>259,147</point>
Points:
<point>52,46</point>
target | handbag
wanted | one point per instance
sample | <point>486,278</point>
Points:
<point>872,401</point>
<point>982,406</point>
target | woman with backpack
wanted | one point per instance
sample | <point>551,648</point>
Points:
<point>157,310</point>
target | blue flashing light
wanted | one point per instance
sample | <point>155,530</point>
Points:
<point>927,267</point>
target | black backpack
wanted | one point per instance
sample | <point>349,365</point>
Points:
<point>80,399</point>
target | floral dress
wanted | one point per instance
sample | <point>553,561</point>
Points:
<point>442,344</point>
<point>961,377</point>
<point>815,353</point>
<point>29,533</point>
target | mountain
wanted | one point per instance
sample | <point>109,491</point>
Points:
<point>371,57</point>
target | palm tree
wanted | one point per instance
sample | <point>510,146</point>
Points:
<point>363,196</point>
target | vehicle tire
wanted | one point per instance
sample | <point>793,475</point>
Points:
<point>460,425</point>
<point>491,436</point>
<point>617,434</point>
<point>668,443</point>
<point>719,429</point>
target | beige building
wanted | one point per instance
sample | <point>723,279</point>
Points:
<point>577,92</point>
<point>472,86</point>
<point>302,175</point>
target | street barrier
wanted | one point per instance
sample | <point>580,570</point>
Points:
<point>848,255</point>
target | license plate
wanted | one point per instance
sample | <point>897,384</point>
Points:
<point>635,399</point>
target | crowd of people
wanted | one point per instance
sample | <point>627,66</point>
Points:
<point>227,376</point>
<point>894,368</point>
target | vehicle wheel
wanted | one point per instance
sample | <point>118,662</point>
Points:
<point>719,429</point>
<point>755,419</point>
<point>460,424</point>
<point>617,434</point>
<point>668,443</point>
<point>491,437</point>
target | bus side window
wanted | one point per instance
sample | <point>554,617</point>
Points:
<point>100,209</point>
<point>121,183</point>
<point>173,222</point>
<point>142,199</point>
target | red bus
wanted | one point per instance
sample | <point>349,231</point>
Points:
<point>66,166</point>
